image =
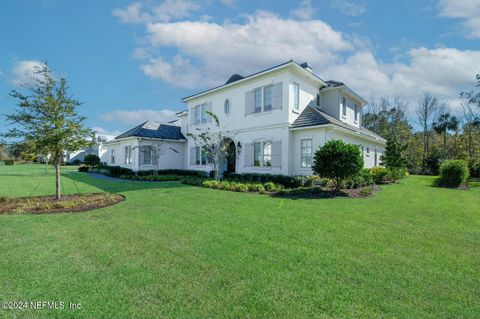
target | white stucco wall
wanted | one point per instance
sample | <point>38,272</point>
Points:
<point>168,160</point>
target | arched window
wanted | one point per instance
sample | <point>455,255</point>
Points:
<point>226,106</point>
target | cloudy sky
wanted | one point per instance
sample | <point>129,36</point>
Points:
<point>133,61</point>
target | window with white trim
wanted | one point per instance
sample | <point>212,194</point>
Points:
<point>306,153</point>
<point>296,96</point>
<point>112,156</point>
<point>147,155</point>
<point>128,155</point>
<point>226,106</point>
<point>368,151</point>
<point>356,113</point>
<point>200,156</point>
<point>262,154</point>
<point>267,98</point>
<point>200,114</point>
<point>344,107</point>
<point>257,100</point>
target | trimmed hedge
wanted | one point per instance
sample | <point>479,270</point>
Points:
<point>179,172</point>
<point>284,180</point>
<point>83,168</point>
<point>453,173</point>
<point>9,162</point>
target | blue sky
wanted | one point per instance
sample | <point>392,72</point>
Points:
<point>131,61</point>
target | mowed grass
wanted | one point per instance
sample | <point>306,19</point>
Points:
<point>176,251</point>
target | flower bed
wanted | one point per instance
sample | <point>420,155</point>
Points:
<point>67,204</point>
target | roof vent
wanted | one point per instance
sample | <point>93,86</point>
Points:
<point>234,78</point>
<point>306,66</point>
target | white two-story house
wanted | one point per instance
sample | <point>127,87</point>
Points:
<point>274,121</point>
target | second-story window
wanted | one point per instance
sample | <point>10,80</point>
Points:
<point>356,113</point>
<point>257,99</point>
<point>344,107</point>
<point>296,96</point>
<point>200,115</point>
<point>267,98</point>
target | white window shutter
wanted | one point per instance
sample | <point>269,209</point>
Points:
<point>249,102</point>
<point>277,154</point>
<point>248,155</point>
<point>193,155</point>
<point>277,95</point>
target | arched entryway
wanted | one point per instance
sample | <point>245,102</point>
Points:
<point>230,162</point>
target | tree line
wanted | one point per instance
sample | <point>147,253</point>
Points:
<point>443,133</point>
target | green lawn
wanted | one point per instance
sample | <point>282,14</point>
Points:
<point>176,251</point>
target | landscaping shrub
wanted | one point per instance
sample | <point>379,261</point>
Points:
<point>179,172</point>
<point>474,167</point>
<point>362,179</point>
<point>83,168</point>
<point>284,180</point>
<point>9,162</point>
<point>338,161</point>
<point>117,171</point>
<point>192,180</point>
<point>380,175</point>
<point>453,173</point>
<point>91,160</point>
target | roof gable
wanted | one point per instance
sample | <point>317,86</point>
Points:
<point>152,129</point>
<point>313,116</point>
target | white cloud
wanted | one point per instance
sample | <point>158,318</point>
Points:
<point>208,53</point>
<point>138,116</point>
<point>23,72</point>
<point>305,11</point>
<point>467,10</point>
<point>351,8</point>
<point>100,131</point>
<point>164,12</point>
<point>443,72</point>
<point>218,48</point>
<point>131,14</point>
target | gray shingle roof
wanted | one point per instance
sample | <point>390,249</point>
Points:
<point>313,116</point>
<point>153,129</point>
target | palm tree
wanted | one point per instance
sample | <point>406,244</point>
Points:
<point>446,123</point>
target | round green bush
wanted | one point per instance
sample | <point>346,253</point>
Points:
<point>453,173</point>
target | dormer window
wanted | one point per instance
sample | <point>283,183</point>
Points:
<point>344,107</point>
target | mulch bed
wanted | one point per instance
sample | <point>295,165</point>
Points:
<point>67,204</point>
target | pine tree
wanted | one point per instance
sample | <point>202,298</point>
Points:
<point>394,157</point>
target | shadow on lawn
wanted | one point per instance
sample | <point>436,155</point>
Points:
<point>119,185</point>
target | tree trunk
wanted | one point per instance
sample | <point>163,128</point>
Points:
<point>58,194</point>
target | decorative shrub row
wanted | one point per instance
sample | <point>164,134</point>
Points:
<point>83,168</point>
<point>242,187</point>
<point>179,172</point>
<point>284,180</point>
<point>453,173</point>
<point>118,171</point>
<point>158,178</point>
<point>9,162</point>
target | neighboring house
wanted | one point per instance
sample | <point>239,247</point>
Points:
<point>98,149</point>
<point>274,121</point>
<point>151,145</point>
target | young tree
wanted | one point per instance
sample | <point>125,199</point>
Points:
<point>446,123</point>
<point>426,109</point>
<point>337,160</point>
<point>394,157</point>
<point>48,118</point>
<point>157,150</point>
<point>213,144</point>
